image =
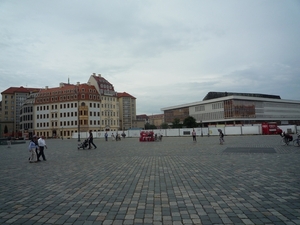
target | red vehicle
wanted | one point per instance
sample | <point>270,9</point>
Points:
<point>270,128</point>
<point>147,136</point>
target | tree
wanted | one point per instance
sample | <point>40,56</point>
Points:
<point>164,126</point>
<point>149,126</point>
<point>176,123</point>
<point>190,122</point>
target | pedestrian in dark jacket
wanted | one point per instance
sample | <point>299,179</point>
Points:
<point>91,140</point>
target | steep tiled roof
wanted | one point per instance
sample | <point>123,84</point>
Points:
<point>105,87</point>
<point>21,89</point>
<point>142,116</point>
<point>124,94</point>
<point>66,92</point>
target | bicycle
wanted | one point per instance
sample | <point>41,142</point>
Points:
<point>296,142</point>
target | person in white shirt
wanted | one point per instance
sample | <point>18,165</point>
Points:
<point>9,141</point>
<point>194,136</point>
<point>42,145</point>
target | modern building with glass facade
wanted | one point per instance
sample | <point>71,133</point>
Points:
<point>237,108</point>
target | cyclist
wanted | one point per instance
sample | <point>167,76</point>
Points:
<point>287,137</point>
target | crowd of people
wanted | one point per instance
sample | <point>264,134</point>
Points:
<point>37,145</point>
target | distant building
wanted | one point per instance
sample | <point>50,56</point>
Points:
<point>12,100</point>
<point>127,110</point>
<point>141,120</point>
<point>27,116</point>
<point>156,120</point>
<point>69,108</point>
<point>237,108</point>
<point>110,109</point>
<point>62,110</point>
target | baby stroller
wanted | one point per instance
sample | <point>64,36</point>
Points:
<point>84,144</point>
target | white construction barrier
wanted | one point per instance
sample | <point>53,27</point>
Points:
<point>255,129</point>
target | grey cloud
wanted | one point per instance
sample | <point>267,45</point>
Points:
<point>173,51</point>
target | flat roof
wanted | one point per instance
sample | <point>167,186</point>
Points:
<point>228,98</point>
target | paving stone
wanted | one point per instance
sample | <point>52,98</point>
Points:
<point>171,182</point>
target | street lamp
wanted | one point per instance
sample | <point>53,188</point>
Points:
<point>78,111</point>
<point>78,123</point>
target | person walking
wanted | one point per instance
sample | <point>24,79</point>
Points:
<point>42,145</point>
<point>118,137</point>
<point>221,136</point>
<point>91,140</point>
<point>112,137</point>
<point>8,141</point>
<point>194,135</point>
<point>32,149</point>
<point>106,136</point>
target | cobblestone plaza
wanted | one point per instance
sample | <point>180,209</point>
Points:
<point>248,180</point>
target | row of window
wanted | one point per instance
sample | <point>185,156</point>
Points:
<point>281,105</point>
<point>6,119</point>
<point>65,92</point>
<point>218,105</point>
<point>66,106</point>
<point>6,96</point>
<point>11,102</point>
<point>209,116</point>
<point>26,126</point>
<point>71,114</point>
<point>67,97</point>
<point>108,98</point>
<point>26,110</point>
<point>6,113</point>
<point>26,117</point>
<point>74,123</point>
<point>199,108</point>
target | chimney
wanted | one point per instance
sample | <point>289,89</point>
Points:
<point>94,74</point>
<point>99,75</point>
<point>46,87</point>
<point>78,83</point>
<point>61,84</point>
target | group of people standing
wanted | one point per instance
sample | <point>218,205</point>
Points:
<point>221,136</point>
<point>113,137</point>
<point>36,148</point>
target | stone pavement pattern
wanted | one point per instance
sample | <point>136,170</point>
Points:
<point>174,181</point>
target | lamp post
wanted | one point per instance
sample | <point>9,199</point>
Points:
<point>78,112</point>
<point>201,128</point>
<point>78,123</point>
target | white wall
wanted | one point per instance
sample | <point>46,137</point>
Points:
<point>256,129</point>
<point>252,129</point>
<point>233,130</point>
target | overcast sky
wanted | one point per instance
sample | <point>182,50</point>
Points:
<point>164,53</point>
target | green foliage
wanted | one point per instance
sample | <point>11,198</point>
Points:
<point>149,126</point>
<point>176,123</point>
<point>190,122</point>
<point>164,126</point>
